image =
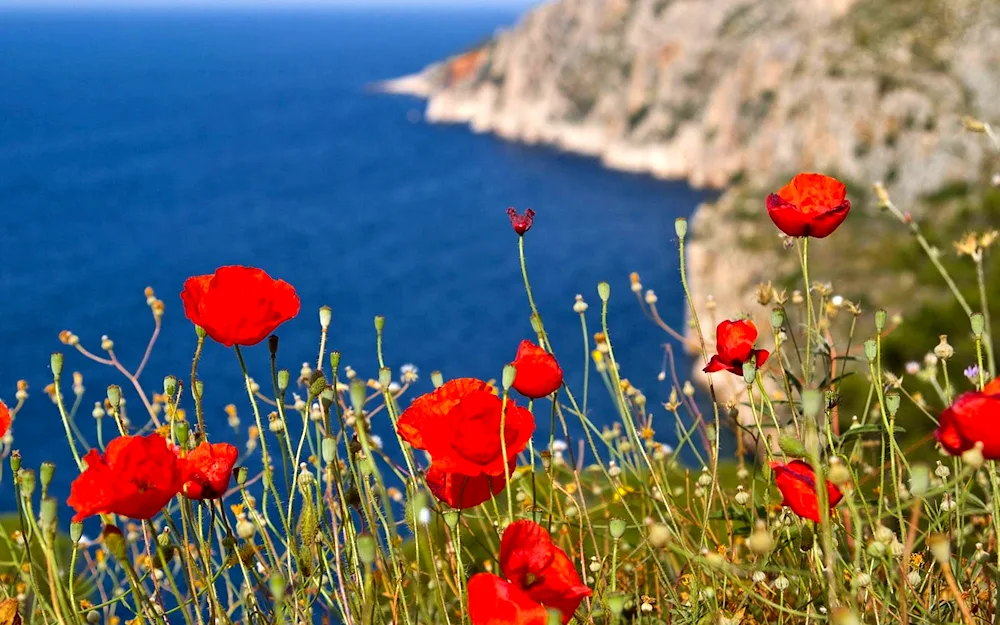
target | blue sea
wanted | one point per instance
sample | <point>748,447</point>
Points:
<point>139,148</point>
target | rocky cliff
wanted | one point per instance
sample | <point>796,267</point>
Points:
<point>739,95</point>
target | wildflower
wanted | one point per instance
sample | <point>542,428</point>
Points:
<point>136,477</point>
<point>781,583</point>
<point>797,483</point>
<point>579,306</point>
<point>521,223</point>
<point>913,367</point>
<point>5,418</point>
<point>207,469</point>
<point>735,345</point>
<point>972,373</point>
<point>408,373</point>
<point>537,372</point>
<point>811,205</point>
<point>238,305</point>
<point>636,283</point>
<point>651,298</point>
<point>972,418</point>
<point>537,572</point>
<point>458,425</point>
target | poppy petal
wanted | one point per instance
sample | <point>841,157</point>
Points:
<point>462,491</point>
<point>493,601</point>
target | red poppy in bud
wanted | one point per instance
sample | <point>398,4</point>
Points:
<point>537,372</point>
<point>463,491</point>
<point>207,469</point>
<point>734,342</point>
<point>521,223</point>
<point>797,483</point>
<point>458,424</point>
<point>136,476</point>
<point>974,417</point>
<point>493,601</point>
<point>5,418</point>
<point>239,305</point>
<point>811,205</point>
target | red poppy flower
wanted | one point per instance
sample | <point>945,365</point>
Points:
<point>530,560</point>
<point>5,418</point>
<point>135,477</point>
<point>734,342</point>
<point>521,223</point>
<point>239,305</point>
<point>459,426</point>
<point>463,491</point>
<point>207,469</point>
<point>811,205</point>
<point>493,601</point>
<point>797,483</point>
<point>538,373</point>
<point>973,417</point>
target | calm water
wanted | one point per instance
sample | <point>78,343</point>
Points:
<point>138,149</point>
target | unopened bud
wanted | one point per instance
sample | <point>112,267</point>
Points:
<point>115,396</point>
<point>681,227</point>
<point>777,318</point>
<point>749,372</point>
<point>284,377</point>
<point>978,324</point>
<point>437,379</point>
<point>871,350</point>
<point>182,432</point>
<point>329,448</point>
<point>45,474</point>
<point>617,528</point>
<point>115,542</point>
<point>56,362</point>
<point>892,403</point>
<point>366,548</point>
<point>385,378</point>
<point>920,479</point>
<point>240,473</point>
<point>507,379</point>
<point>880,317</point>
<point>334,361</point>
<point>170,386</point>
<point>198,389</point>
<point>325,316</point>
<point>604,291</point>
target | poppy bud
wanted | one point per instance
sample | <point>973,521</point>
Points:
<point>604,291</point>
<point>283,378</point>
<point>920,479</point>
<point>385,377</point>
<point>115,542</point>
<point>791,446</point>
<point>200,332</point>
<point>892,403</point>
<point>617,528</point>
<point>15,461</point>
<point>27,478</point>
<point>47,511</point>
<point>437,379</point>
<point>325,316</point>
<point>198,389</point>
<point>56,361</point>
<point>978,324</point>
<point>880,316</point>
<point>334,361</point>
<point>616,604</point>
<point>777,318</point>
<point>451,518</point>
<point>681,227</point>
<point>379,323</point>
<point>507,379</point>
<point>276,583</point>
<point>115,396</point>
<point>170,386</point>
<point>871,350</point>
<point>240,473</point>
<point>536,324</point>
<point>749,372</point>
<point>45,473</point>
<point>366,548</point>
<point>75,531</point>
<point>358,395</point>
<point>329,448</point>
<point>317,382</point>
<point>181,431</point>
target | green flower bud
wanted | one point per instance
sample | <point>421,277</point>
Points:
<point>777,318</point>
<point>604,291</point>
<point>47,511</point>
<point>358,396</point>
<point>451,518</point>
<point>812,402</point>
<point>329,447</point>
<point>277,585</point>
<point>366,549</point>
<point>871,350</point>
<point>317,382</point>
<point>681,227</point>
<point>920,479</point>
<point>46,472</point>
<point>15,461</point>
<point>616,602</point>
<point>240,473</point>
<point>892,403</point>
<point>791,446</point>
<point>379,323</point>
<point>170,386</point>
<point>507,379</point>
<point>115,396</point>
<point>75,531</point>
<point>334,361</point>
<point>27,478</point>
<point>56,362</point>
<point>198,389</point>
<point>617,528</point>
<point>437,379</point>
<point>200,332</point>
<point>284,377</point>
<point>536,323</point>
<point>880,316</point>
<point>749,372</point>
<point>115,542</point>
<point>182,431</point>
<point>385,377</point>
<point>978,324</point>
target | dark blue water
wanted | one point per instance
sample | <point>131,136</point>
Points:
<point>140,148</point>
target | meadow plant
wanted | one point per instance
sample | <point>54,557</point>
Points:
<point>505,502</point>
